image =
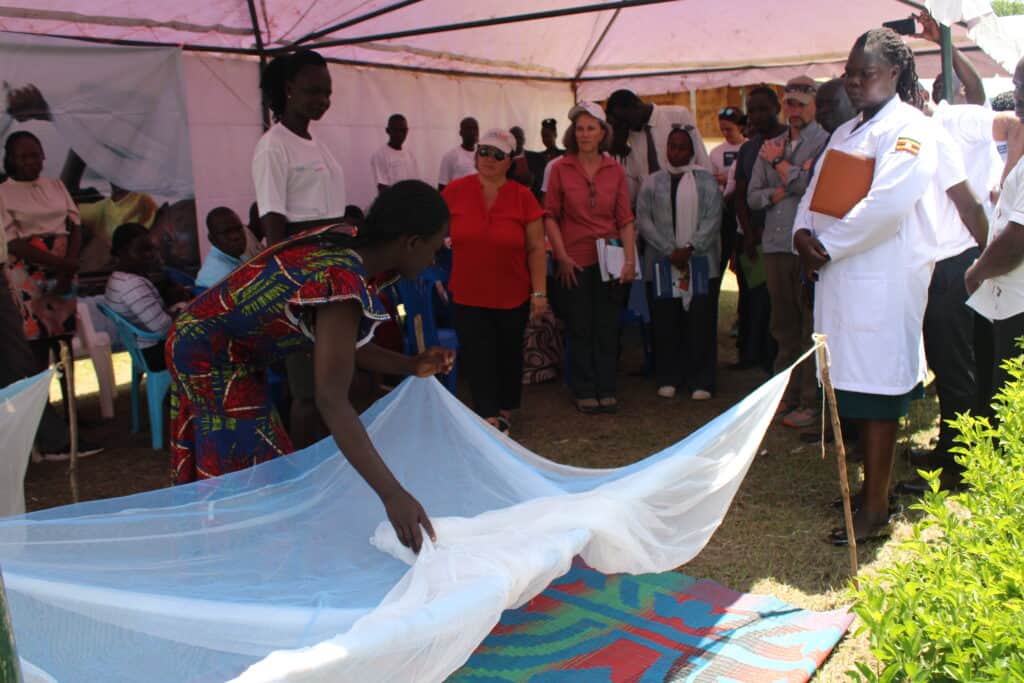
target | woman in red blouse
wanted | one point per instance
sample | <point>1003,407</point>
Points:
<point>499,266</point>
<point>587,200</point>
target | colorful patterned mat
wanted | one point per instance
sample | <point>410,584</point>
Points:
<point>591,628</point>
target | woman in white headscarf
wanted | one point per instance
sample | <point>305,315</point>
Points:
<point>679,213</point>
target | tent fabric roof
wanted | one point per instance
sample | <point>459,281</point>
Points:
<point>568,40</point>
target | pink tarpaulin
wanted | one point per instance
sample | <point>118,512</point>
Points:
<point>714,44</point>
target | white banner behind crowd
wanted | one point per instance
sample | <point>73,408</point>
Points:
<point>225,121</point>
<point>203,582</point>
<point>121,109</point>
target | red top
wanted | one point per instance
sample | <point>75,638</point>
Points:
<point>489,247</point>
<point>587,209</point>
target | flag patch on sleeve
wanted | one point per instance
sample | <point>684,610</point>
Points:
<point>908,145</point>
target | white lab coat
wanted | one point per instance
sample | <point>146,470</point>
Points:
<point>870,298</point>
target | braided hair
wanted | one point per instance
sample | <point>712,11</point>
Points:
<point>282,70</point>
<point>409,207</point>
<point>888,45</point>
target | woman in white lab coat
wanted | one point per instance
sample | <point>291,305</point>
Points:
<point>874,264</point>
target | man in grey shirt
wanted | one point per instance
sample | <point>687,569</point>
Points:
<point>778,181</point>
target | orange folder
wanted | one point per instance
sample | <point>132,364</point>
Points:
<point>844,180</point>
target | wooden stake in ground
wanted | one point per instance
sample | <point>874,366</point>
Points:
<point>837,430</point>
<point>68,364</point>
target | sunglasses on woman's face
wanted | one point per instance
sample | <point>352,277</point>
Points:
<point>495,154</point>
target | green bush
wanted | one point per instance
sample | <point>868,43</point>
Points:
<point>952,609</point>
<point>1005,8</point>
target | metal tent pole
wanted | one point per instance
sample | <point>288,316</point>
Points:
<point>496,21</point>
<point>257,34</point>
<point>947,61</point>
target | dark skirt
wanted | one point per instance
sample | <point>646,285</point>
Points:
<point>854,405</point>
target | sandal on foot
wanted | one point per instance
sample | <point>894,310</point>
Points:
<point>837,536</point>
<point>609,405</point>
<point>588,406</point>
<point>798,419</point>
<point>784,409</point>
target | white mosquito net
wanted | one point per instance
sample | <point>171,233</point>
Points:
<point>21,407</point>
<point>270,573</point>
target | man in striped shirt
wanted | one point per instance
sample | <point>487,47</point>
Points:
<point>131,294</point>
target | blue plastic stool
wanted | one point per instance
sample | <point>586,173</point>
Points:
<point>421,331</point>
<point>157,383</point>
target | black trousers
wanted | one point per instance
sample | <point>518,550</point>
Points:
<point>949,342</point>
<point>755,343</point>
<point>1004,346</point>
<point>155,358</point>
<point>984,362</point>
<point>686,342</point>
<point>591,311</point>
<point>491,355</point>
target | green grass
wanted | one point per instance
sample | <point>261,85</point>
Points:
<point>772,540</point>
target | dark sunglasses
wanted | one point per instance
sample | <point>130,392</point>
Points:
<point>495,154</point>
<point>809,89</point>
<point>548,123</point>
<point>728,112</point>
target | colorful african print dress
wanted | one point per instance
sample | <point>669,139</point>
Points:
<point>222,415</point>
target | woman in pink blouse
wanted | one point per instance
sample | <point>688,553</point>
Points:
<point>41,224</point>
<point>588,200</point>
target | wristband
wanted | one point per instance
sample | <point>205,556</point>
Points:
<point>539,295</point>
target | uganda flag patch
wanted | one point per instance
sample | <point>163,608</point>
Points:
<point>908,145</point>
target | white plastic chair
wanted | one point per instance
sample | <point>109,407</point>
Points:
<point>89,341</point>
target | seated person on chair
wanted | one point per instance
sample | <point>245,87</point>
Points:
<point>132,295</point>
<point>227,246</point>
<point>100,219</point>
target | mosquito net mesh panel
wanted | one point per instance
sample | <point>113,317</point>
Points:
<point>289,570</point>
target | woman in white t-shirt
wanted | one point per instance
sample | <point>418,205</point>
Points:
<point>299,185</point>
<point>298,181</point>
<point>732,122</point>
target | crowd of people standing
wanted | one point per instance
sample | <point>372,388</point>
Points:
<point>633,195</point>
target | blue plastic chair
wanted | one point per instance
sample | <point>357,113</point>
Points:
<point>421,330</point>
<point>180,277</point>
<point>157,383</point>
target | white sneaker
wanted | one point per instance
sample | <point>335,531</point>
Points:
<point>667,391</point>
<point>700,395</point>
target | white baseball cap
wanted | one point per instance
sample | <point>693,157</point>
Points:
<point>587,108</point>
<point>498,138</point>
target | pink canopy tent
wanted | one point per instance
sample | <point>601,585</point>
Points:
<point>650,43</point>
<point>438,60</point>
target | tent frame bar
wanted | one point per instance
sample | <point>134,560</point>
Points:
<point>716,69</point>
<point>447,72</point>
<point>257,34</point>
<point>479,23</point>
<point>121,42</point>
<point>593,51</point>
<point>350,22</point>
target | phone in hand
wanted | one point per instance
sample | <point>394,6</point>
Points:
<point>904,27</point>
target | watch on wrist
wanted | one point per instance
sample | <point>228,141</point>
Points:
<point>777,161</point>
<point>539,295</point>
